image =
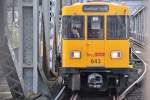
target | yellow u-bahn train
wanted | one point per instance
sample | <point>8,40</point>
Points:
<point>95,45</point>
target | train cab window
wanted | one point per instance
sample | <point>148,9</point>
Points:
<point>117,27</point>
<point>73,27</point>
<point>95,27</point>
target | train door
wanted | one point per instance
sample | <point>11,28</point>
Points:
<point>95,41</point>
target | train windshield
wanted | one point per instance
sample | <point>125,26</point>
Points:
<point>73,27</point>
<point>95,27</point>
<point>117,27</point>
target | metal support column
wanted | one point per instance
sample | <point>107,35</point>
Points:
<point>50,12</point>
<point>28,45</point>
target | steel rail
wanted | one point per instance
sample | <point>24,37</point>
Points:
<point>135,82</point>
<point>60,93</point>
<point>74,96</point>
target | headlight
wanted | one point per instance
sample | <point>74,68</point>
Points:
<point>75,54</point>
<point>115,54</point>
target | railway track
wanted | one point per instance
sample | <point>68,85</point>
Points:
<point>64,94</point>
<point>80,95</point>
<point>89,96</point>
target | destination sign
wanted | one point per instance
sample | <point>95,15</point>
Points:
<point>95,8</point>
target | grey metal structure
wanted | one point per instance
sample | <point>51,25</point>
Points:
<point>35,75</point>
<point>28,45</point>
<point>6,57</point>
<point>139,25</point>
<point>69,2</point>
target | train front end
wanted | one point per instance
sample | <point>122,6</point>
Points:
<point>95,45</point>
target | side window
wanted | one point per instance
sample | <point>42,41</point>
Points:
<point>95,27</point>
<point>73,27</point>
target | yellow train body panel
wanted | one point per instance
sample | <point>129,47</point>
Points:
<point>70,45</point>
<point>117,45</point>
<point>90,50</point>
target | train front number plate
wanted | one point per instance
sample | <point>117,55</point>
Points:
<point>95,61</point>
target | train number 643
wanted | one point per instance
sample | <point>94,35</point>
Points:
<point>95,61</point>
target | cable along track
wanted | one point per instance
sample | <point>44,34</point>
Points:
<point>141,75</point>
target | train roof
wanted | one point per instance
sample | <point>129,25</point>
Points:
<point>101,3</point>
<point>77,8</point>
